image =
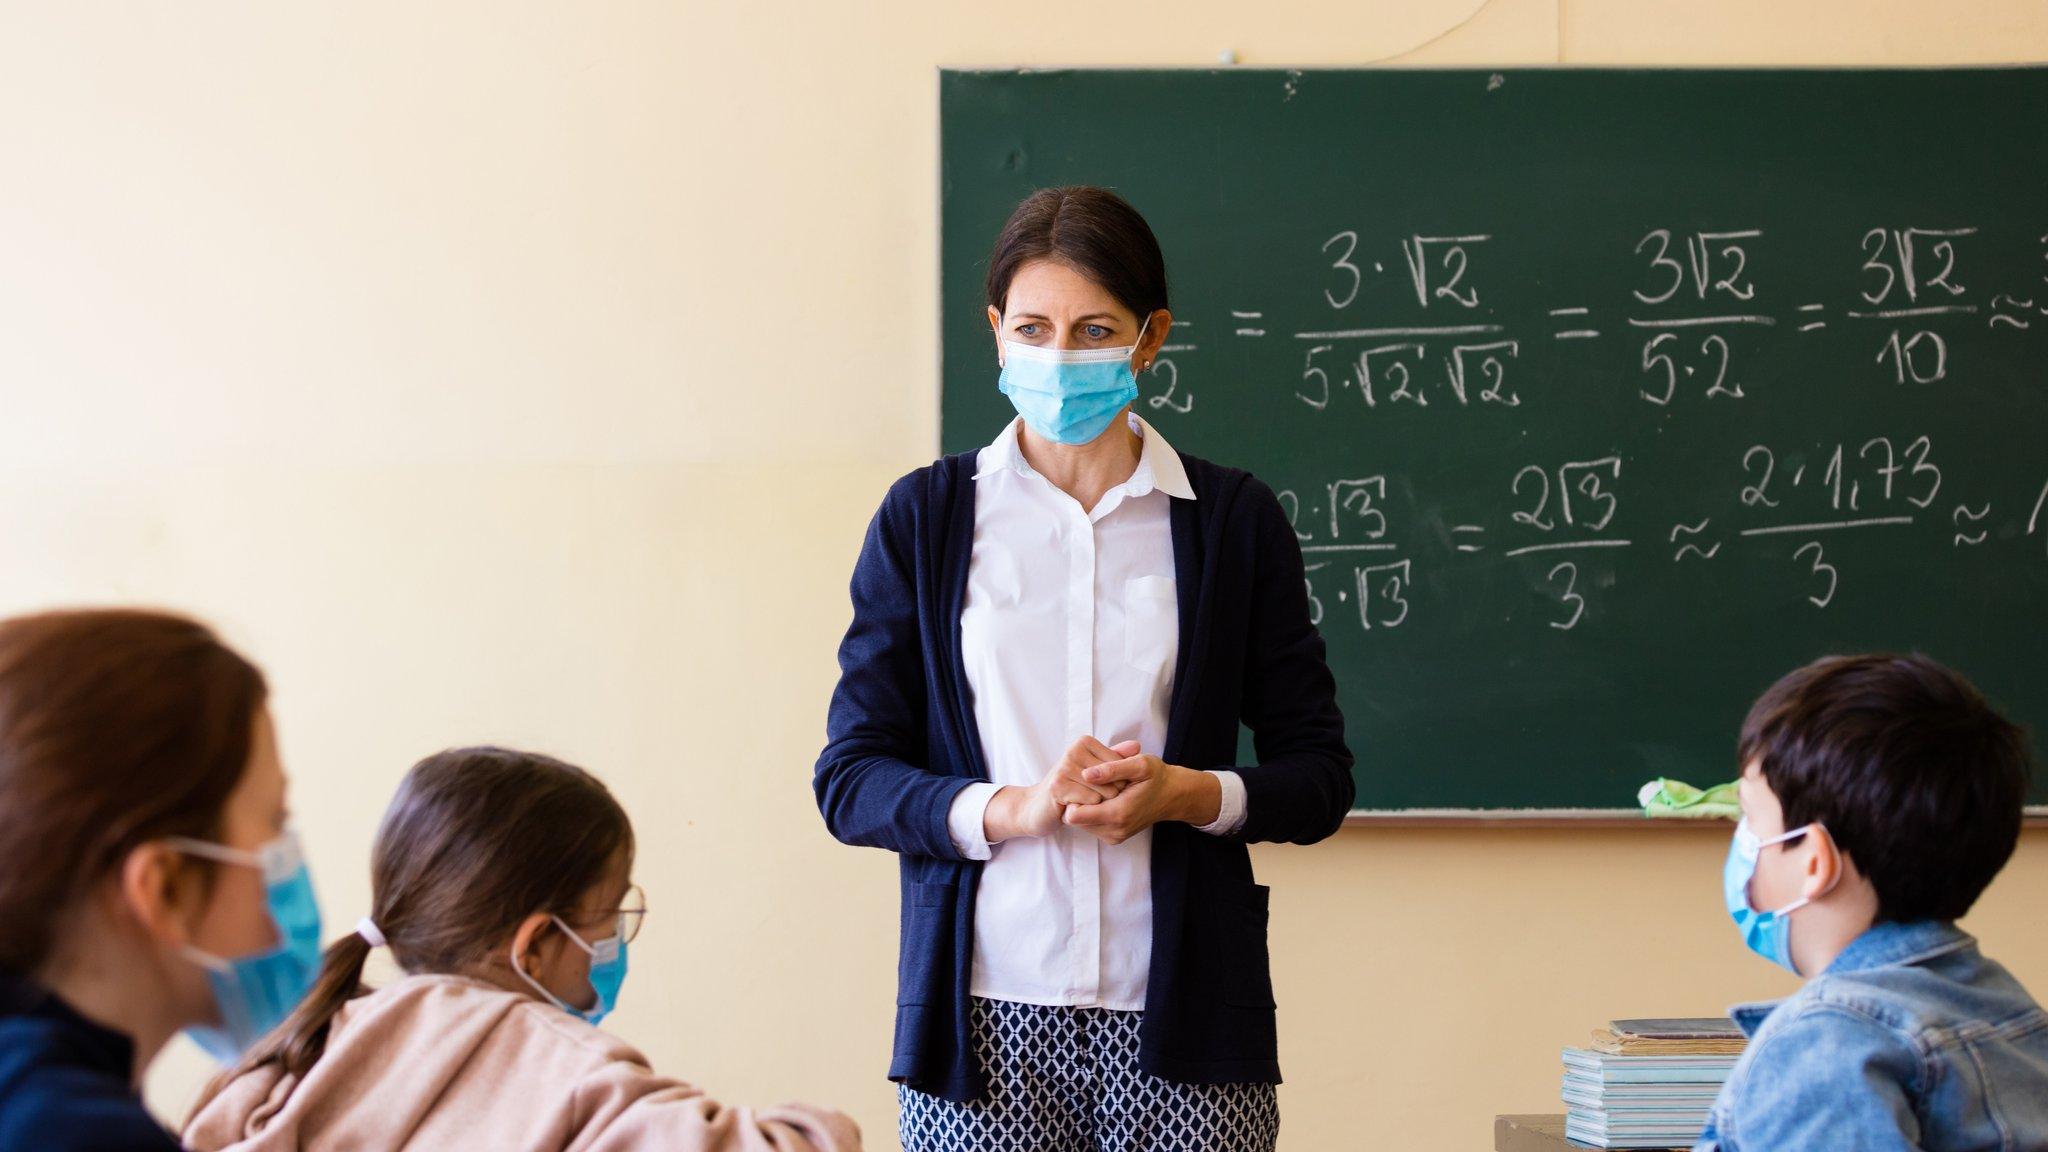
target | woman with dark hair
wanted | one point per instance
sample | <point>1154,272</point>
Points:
<point>148,882</point>
<point>1055,640</point>
<point>502,883</point>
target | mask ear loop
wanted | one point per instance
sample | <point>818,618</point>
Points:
<point>589,949</point>
<point>1796,833</point>
<point>217,965</point>
<point>519,969</point>
<point>1822,830</point>
<point>218,854</point>
<point>1138,347</point>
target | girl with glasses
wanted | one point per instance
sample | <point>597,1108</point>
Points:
<point>502,884</point>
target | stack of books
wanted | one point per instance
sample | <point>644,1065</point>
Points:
<point>1647,1083</point>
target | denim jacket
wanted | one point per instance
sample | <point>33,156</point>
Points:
<point>1910,1040</point>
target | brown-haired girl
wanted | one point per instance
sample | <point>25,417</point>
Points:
<point>502,883</point>
<point>147,881</point>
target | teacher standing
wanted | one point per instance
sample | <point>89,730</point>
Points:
<point>1055,640</point>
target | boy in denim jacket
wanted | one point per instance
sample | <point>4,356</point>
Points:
<point>1880,795</point>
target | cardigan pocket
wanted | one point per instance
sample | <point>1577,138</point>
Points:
<point>1245,916</point>
<point>925,950</point>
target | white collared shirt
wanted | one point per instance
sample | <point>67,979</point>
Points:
<point>1070,628</point>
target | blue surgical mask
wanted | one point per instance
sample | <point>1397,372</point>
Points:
<point>1768,934</point>
<point>607,974</point>
<point>255,993</point>
<point>1069,396</point>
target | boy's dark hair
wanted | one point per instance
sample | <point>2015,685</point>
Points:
<point>1913,773</point>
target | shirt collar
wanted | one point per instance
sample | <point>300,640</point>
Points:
<point>1750,1017</point>
<point>19,996</point>
<point>92,1045</point>
<point>1889,944</point>
<point>1882,946</point>
<point>1159,466</point>
<point>1169,474</point>
<point>1004,453</point>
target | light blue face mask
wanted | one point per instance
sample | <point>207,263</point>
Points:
<point>1069,396</point>
<point>1768,934</point>
<point>607,974</point>
<point>256,993</point>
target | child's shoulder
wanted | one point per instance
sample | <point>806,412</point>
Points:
<point>1833,1012</point>
<point>1899,1019</point>
<point>1940,1031</point>
<point>1950,995</point>
<point>1862,1004</point>
<point>1821,1046</point>
<point>487,1015</point>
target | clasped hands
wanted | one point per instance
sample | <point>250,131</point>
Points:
<point>1113,792</point>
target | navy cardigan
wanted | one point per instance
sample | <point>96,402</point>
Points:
<point>65,1081</point>
<point>902,743</point>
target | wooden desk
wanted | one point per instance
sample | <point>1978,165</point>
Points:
<point>1530,1134</point>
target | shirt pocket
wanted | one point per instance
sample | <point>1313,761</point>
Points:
<point>1151,623</point>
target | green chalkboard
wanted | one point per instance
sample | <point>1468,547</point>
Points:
<point>1601,398</point>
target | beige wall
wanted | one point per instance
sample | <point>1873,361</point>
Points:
<point>521,372</point>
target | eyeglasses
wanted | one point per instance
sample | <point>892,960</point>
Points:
<point>632,913</point>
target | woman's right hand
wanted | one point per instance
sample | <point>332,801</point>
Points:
<point>1039,810</point>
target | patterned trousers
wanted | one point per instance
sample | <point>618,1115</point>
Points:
<point>1067,1080</point>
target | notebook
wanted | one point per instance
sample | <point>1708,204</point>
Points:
<point>1682,1036</point>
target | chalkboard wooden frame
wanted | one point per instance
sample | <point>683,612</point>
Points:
<point>1141,130</point>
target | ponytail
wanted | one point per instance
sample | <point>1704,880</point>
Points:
<point>297,1044</point>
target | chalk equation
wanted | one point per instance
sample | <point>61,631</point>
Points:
<point>1697,291</point>
<point>1687,332</point>
<point>1362,549</point>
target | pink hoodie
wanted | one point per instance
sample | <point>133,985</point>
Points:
<point>446,1062</point>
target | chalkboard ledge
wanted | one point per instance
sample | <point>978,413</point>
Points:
<point>2036,817</point>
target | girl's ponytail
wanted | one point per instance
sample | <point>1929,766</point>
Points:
<point>296,1044</point>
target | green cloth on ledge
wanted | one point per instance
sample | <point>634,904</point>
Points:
<point>1677,799</point>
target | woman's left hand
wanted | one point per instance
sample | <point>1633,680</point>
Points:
<point>1153,791</point>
